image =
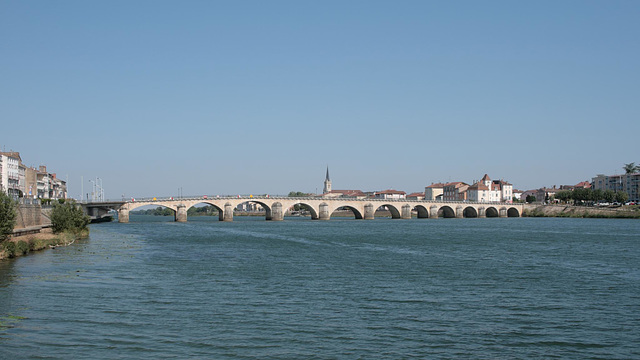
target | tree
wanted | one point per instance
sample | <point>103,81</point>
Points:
<point>297,194</point>
<point>68,216</point>
<point>530,199</point>
<point>622,197</point>
<point>596,195</point>
<point>7,215</point>
<point>631,168</point>
<point>564,195</point>
<point>608,195</point>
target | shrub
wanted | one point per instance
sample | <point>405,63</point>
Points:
<point>7,216</point>
<point>10,248</point>
<point>68,216</point>
<point>61,201</point>
<point>22,247</point>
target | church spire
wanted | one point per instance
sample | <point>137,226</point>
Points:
<point>327,183</point>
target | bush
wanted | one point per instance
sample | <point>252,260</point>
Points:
<point>22,247</point>
<point>7,216</point>
<point>61,201</point>
<point>68,216</point>
<point>10,248</point>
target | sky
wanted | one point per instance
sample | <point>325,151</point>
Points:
<point>259,97</point>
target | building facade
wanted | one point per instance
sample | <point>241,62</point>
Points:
<point>628,183</point>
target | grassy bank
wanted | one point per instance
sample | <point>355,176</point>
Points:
<point>580,212</point>
<point>23,245</point>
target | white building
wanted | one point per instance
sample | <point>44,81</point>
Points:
<point>487,190</point>
<point>390,194</point>
<point>10,173</point>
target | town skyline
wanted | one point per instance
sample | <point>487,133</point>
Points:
<point>260,97</point>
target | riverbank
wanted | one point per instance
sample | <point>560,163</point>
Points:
<point>581,212</point>
<point>23,245</point>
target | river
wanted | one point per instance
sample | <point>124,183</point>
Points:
<point>340,289</point>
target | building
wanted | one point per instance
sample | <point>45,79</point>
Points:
<point>390,194</point>
<point>12,173</point>
<point>628,183</point>
<point>455,191</point>
<point>434,191</point>
<point>517,194</point>
<point>415,196</point>
<point>358,194</point>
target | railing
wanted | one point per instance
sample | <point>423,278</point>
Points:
<point>204,198</point>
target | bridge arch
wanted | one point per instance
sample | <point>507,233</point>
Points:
<point>267,208</point>
<point>395,213</point>
<point>421,211</point>
<point>154,205</point>
<point>492,212</point>
<point>513,212</point>
<point>446,212</point>
<point>470,212</point>
<point>210,203</point>
<point>357,213</point>
<point>306,206</point>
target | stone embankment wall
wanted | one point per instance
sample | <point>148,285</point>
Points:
<point>28,216</point>
<point>578,211</point>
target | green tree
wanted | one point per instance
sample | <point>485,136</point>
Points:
<point>68,216</point>
<point>596,195</point>
<point>7,215</point>
<point>608,195</point>
<point>297,194</point>
<point>530,199</point>
<point>564,195</point>
<point>622,197</point>
<point>631,168</point>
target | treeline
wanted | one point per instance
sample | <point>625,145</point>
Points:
<point>582,196</point>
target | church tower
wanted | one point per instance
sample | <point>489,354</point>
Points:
<point>327,183</point>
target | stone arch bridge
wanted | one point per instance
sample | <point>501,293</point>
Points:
<point>322,208</point>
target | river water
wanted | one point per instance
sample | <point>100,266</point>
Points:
<point>340,289</point>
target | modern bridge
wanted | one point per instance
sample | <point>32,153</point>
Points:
<point>276,207</point>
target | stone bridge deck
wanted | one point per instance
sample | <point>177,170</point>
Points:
<point>322,208</point>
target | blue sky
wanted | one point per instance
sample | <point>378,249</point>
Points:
<point>260,96</point>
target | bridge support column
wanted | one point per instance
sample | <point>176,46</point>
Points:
<point>276,212</point>
<point>123,215</point>
<point>228,212</point>
<point>369,212</point>
<point>181,213</point>
<point>433,212</point>
<point>481,212</point>
<point>459,212</point>
<point>324,212</point>
<point>503,212</point>
<point>406,211</point>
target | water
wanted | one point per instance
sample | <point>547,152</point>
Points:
<point>342,289</point>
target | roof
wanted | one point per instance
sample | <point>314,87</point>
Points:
<point>478,186</point>
<point>436,185</point>
<point>12,154</point>
<point>485,178</point>
<point>347,192</point>
<point>416,194</point>
<point>327,178</point>
<point>391,192</point>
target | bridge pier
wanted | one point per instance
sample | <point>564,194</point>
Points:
<point>324,212</point>
<point>406,212</point>
<point>227,214</point>
<point>433,212</point>
<point>369,212</point>
<point>503,212</point>
<point>181,213</point>
<point>459,212</point>
<point>276,212</point>
<point>481,212</point>
<point>123,215</point>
